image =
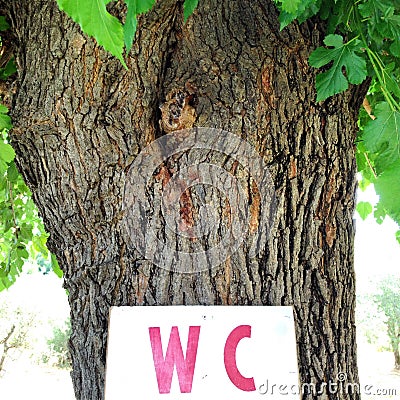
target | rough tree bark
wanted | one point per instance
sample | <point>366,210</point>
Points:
<point>80,119</point>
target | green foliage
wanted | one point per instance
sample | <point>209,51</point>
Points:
<point>188,7</point>
<point>58,351</point>
<point>7,154</point>
<point>388,186</point>
<point>8,70</point>
<point>364,209</point>
<point>342,56</point>
<point>381,136</point>
<point>380,140</point>
<point>382,23</point>
<point>5,120</point>
<point>290,7</point>
<point>301,12</point>
<point>55,267</point>
<point>371,49</point>
<point>135,7</point>
<point>3,23</point>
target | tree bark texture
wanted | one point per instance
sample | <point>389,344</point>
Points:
<point>80,119</point>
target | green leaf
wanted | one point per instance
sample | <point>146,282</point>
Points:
<point>129,29</point>
<point>289,6</point>
<point>189,6</point>
<point>16,267</point>
<point>96,21</point>
<point>364,208</point>
<point>5,120</point>
<point>12,173</point>
<point>363,184</point>
<point>3,166</point>
<point>382,136</point>
<point>22,253</point>
<point>371,8</point>
<point>5,283</point>
<point>25,233</point>
<point>8,70</point>
<point>342,55</point>
<point>3,23</point>
<point>387,186</point>
<point>398,236</point>
<point>141,6</point>
<point>7,153</point>
<point>305,10</point>
<point>372,11</point>
<point>39,244</point>
<point>335,13</point>
<point>7,217</point>
<point>390,79</point>
<point>56,268</point>
<point>364,165</point>
<point>389,28</point>
<point>135,7</point>
<point>379,213</point>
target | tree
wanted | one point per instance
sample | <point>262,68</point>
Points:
<point>388,300</point>
<point>80,120</point>
<point>15,328</point>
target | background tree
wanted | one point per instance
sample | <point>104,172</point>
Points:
<point>81,118</point>
<point>388,300</point>
<point>15,328</point>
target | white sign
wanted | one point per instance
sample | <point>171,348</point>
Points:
<point>189,352</point>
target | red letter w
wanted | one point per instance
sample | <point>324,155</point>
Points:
<point>174,356</point>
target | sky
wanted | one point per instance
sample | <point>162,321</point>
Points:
<point>377,252</point>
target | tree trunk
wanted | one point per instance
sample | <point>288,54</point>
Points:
<point>397,359</point>
<point>80,120</point>
<point>395,342</point>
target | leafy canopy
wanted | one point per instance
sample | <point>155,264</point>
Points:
<point>363,40</point>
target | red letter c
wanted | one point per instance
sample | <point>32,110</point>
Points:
<point>242,383</point>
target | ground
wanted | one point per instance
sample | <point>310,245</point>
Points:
<point>24,380</point>
<point>377,374</point>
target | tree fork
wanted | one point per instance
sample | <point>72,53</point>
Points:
<point>80,119</point>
